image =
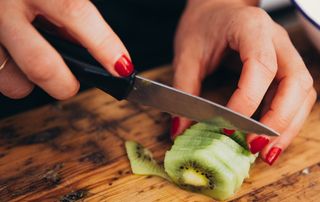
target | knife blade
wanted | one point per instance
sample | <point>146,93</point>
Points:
<point>173,101</point>
<point>151,93</point>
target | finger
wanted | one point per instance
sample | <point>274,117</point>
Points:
<point>259,68</point>
<point>13,83</point>
<point>84,22</point>
<point>36,58</point>
<point>257,142</point>
<point>295,83</point>
<point>178,125</point>
<point>271,152</point>
<point>187,77</point>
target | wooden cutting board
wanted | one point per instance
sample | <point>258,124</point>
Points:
<point>74,150</point>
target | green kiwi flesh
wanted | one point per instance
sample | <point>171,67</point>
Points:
<point>237,136</point>
<point>202,160</point>
<point>142,162</point>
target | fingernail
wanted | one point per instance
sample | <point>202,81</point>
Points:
<point>124,66</point>
<point>174,127</point>
<point>257,144</point>
<point>228,132</point>
<point>273,155</point>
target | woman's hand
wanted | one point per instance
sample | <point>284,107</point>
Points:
<point>34,61</point>
<point>271,67</point>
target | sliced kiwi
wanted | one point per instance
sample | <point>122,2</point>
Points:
<point>205,126</point>
<point>202,160</point>
<point>192,138</point>
<point>200,172</point>
<point>240,138</point>
<point>216,144</point>
<point>237,136</point>
<point>142,162</point>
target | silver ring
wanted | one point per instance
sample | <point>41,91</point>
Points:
<point>4,63</point>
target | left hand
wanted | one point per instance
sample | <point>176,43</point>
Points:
<point>206,29</point>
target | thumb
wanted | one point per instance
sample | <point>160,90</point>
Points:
<point>188,76</point>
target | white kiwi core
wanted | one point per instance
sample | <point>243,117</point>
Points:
<point>191,177</point>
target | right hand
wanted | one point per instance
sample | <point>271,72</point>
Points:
<point>34,61</point>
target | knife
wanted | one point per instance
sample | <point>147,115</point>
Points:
<point>150,93</point>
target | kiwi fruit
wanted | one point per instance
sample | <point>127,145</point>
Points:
<point>203,159</point>
<point>191,171</point>
<point>237,136</point>
<point>142,161</point>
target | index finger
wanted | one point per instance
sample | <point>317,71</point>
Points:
<point>259,68</point>
<point>84,22</point>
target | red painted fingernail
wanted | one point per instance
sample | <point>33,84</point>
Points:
<point>228,132</point>
<point>257,144</point>
<point>273,155</point>
<point>174,127</point>
<point>124,66</point>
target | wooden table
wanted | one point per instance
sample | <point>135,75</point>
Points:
<point>74,150</point>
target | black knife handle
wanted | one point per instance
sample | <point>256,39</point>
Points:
<point>88,70</point>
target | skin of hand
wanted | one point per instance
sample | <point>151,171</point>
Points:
<point>272,67</point>
<point>34,61</point>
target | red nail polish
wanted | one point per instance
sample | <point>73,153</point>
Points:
<point>174,126</point>
<point>228,132</point>
<point>257,144</point>
<point>124,66</point>
<point>273,155</point>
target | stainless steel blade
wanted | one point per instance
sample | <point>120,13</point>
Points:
<point>173,101</point>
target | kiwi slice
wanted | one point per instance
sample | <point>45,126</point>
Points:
<point>205,126</point>
<point>237,136</point>
<point>238,165</point>
<point>142,162</point>
<point>191,171</point>
<point>192,137</point>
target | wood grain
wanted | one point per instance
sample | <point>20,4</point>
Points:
<point>73,150</point>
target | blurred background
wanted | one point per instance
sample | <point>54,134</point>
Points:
<point>147,29</point>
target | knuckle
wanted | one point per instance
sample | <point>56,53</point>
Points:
<point>250,100</point>
<point>313,95</point>
<point>4,14</point>
<point>305,80</point>
<point>256,18</point>
<point>268,67</point>
<point>19,92</point>
<point>281,30</point>
<point>104,42</point>
<point>69,92</point>
<point>281,120</point>
<point>39,67</point>
<point>75,9</point>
